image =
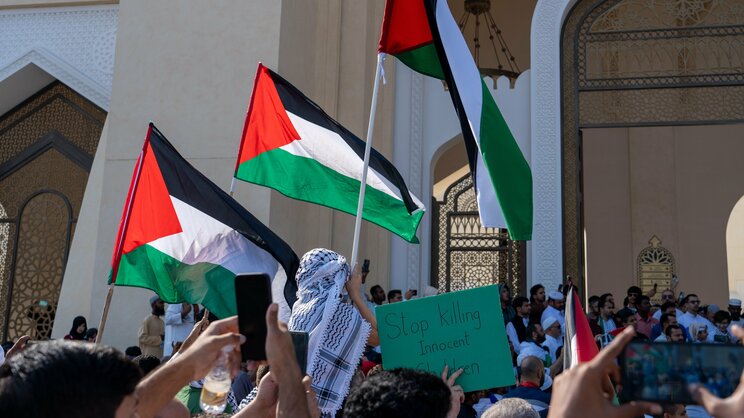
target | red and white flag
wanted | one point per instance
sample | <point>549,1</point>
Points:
<point>579,346</point>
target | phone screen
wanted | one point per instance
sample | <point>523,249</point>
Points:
<point>365,266</point>
<point>253,297</point>
<point>662,372</point>
<point>300,340</point>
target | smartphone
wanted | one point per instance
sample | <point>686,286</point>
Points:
<point>414,292</point>
<point>365,266</point>
<point>662,372</point>
<point>300,340</point>
<point>253,297</point>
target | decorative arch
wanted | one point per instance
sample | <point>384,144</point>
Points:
<point>49,142</point>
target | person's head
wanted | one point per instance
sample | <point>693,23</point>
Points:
<point>537,293</point>
<point>734,308</point>
<point>505,294</point>
<point>133,352</point>
<point>692,301</point>
<point>594,304</point>
<point>634,292</point>
<point>606,308</point>
<point>79,326</point>
<point>699,331</point>
<point>395,296</point>
<point>669,307</point>
<point>667,319</point>
<point>146,363</point>
<point>627,318</point>
<point>378,294</point>
<point>399,393</point>
<point>522,306</point>
<point>157,305</point>
<point>531,369</point>
<point>674,334</point>
<point>511,408</point>
<point>672,411</point>
<point>555,299</point>
<point>91,334</point>
<point>667,296</point>
<point>711,311</point>
<point>551,326</point>
<point>536,333</point>
<point>722,319</point>
<point>56,378</point>
<point>643,304</point>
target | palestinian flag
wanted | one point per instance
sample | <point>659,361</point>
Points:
<point>291,145</point>
<point>184,238</point>
<point>579,346</point>
<point>423,35</point>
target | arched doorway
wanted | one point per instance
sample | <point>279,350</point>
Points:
<point>49,141</point>
<point>464,253</point>
<point>735,250</point>
<point>653,104</point>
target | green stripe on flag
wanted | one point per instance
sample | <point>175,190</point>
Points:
<point>423,59</point>
<point>208,284</point>
<point>508,169</point>
<point>306,179</point>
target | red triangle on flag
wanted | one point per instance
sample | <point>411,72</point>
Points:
<point>267,124</point>
<point>148,211</point>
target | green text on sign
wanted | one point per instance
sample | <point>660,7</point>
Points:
<point>460,329</point>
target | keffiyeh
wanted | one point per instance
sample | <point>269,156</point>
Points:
<point>338,333</point>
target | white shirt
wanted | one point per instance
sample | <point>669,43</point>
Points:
<point>553,344</point>
<point>511,333</point>
<point>176,328</point>
<point>551,311</point>
<point>608,325</point>
<point>689,318</point>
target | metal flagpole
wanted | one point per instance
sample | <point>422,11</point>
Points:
<point>367,150</point>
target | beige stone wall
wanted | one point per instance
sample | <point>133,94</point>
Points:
<point>678,183</point>
<point>189,68</point>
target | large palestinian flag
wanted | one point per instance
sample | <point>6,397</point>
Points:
<point>291,145</point>
<point>423,35</point>
<point>184,238</point>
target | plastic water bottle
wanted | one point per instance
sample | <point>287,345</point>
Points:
<point>216,386</point>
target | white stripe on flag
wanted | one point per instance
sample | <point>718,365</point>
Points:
<point>470,88</point>
<point>329,149</point>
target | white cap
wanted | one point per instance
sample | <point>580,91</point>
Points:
<point>735,302</point>
<point>555,295</point>
<point>548,322</point>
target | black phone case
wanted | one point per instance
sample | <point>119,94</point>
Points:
<point>253,297</point>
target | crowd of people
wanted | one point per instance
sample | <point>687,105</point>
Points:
<point>179,344</point>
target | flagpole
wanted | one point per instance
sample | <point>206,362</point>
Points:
<point>367,151</point>
<point>232,186</point>
<point>120,243</point>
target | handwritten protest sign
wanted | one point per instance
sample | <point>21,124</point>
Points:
<point>460,329</point>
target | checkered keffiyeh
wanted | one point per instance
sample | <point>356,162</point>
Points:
<point>338,333</point>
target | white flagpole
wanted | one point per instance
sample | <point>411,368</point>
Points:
<point>367,150</point>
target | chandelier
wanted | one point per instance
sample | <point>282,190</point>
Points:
<point>506,65</point>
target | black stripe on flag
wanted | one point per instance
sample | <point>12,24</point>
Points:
<point>187,184</point>
<point>471,146</point>
<point>297,103</point>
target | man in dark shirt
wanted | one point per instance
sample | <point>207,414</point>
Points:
<point>532,374</point>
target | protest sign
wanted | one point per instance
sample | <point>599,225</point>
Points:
<point>460,329</point>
